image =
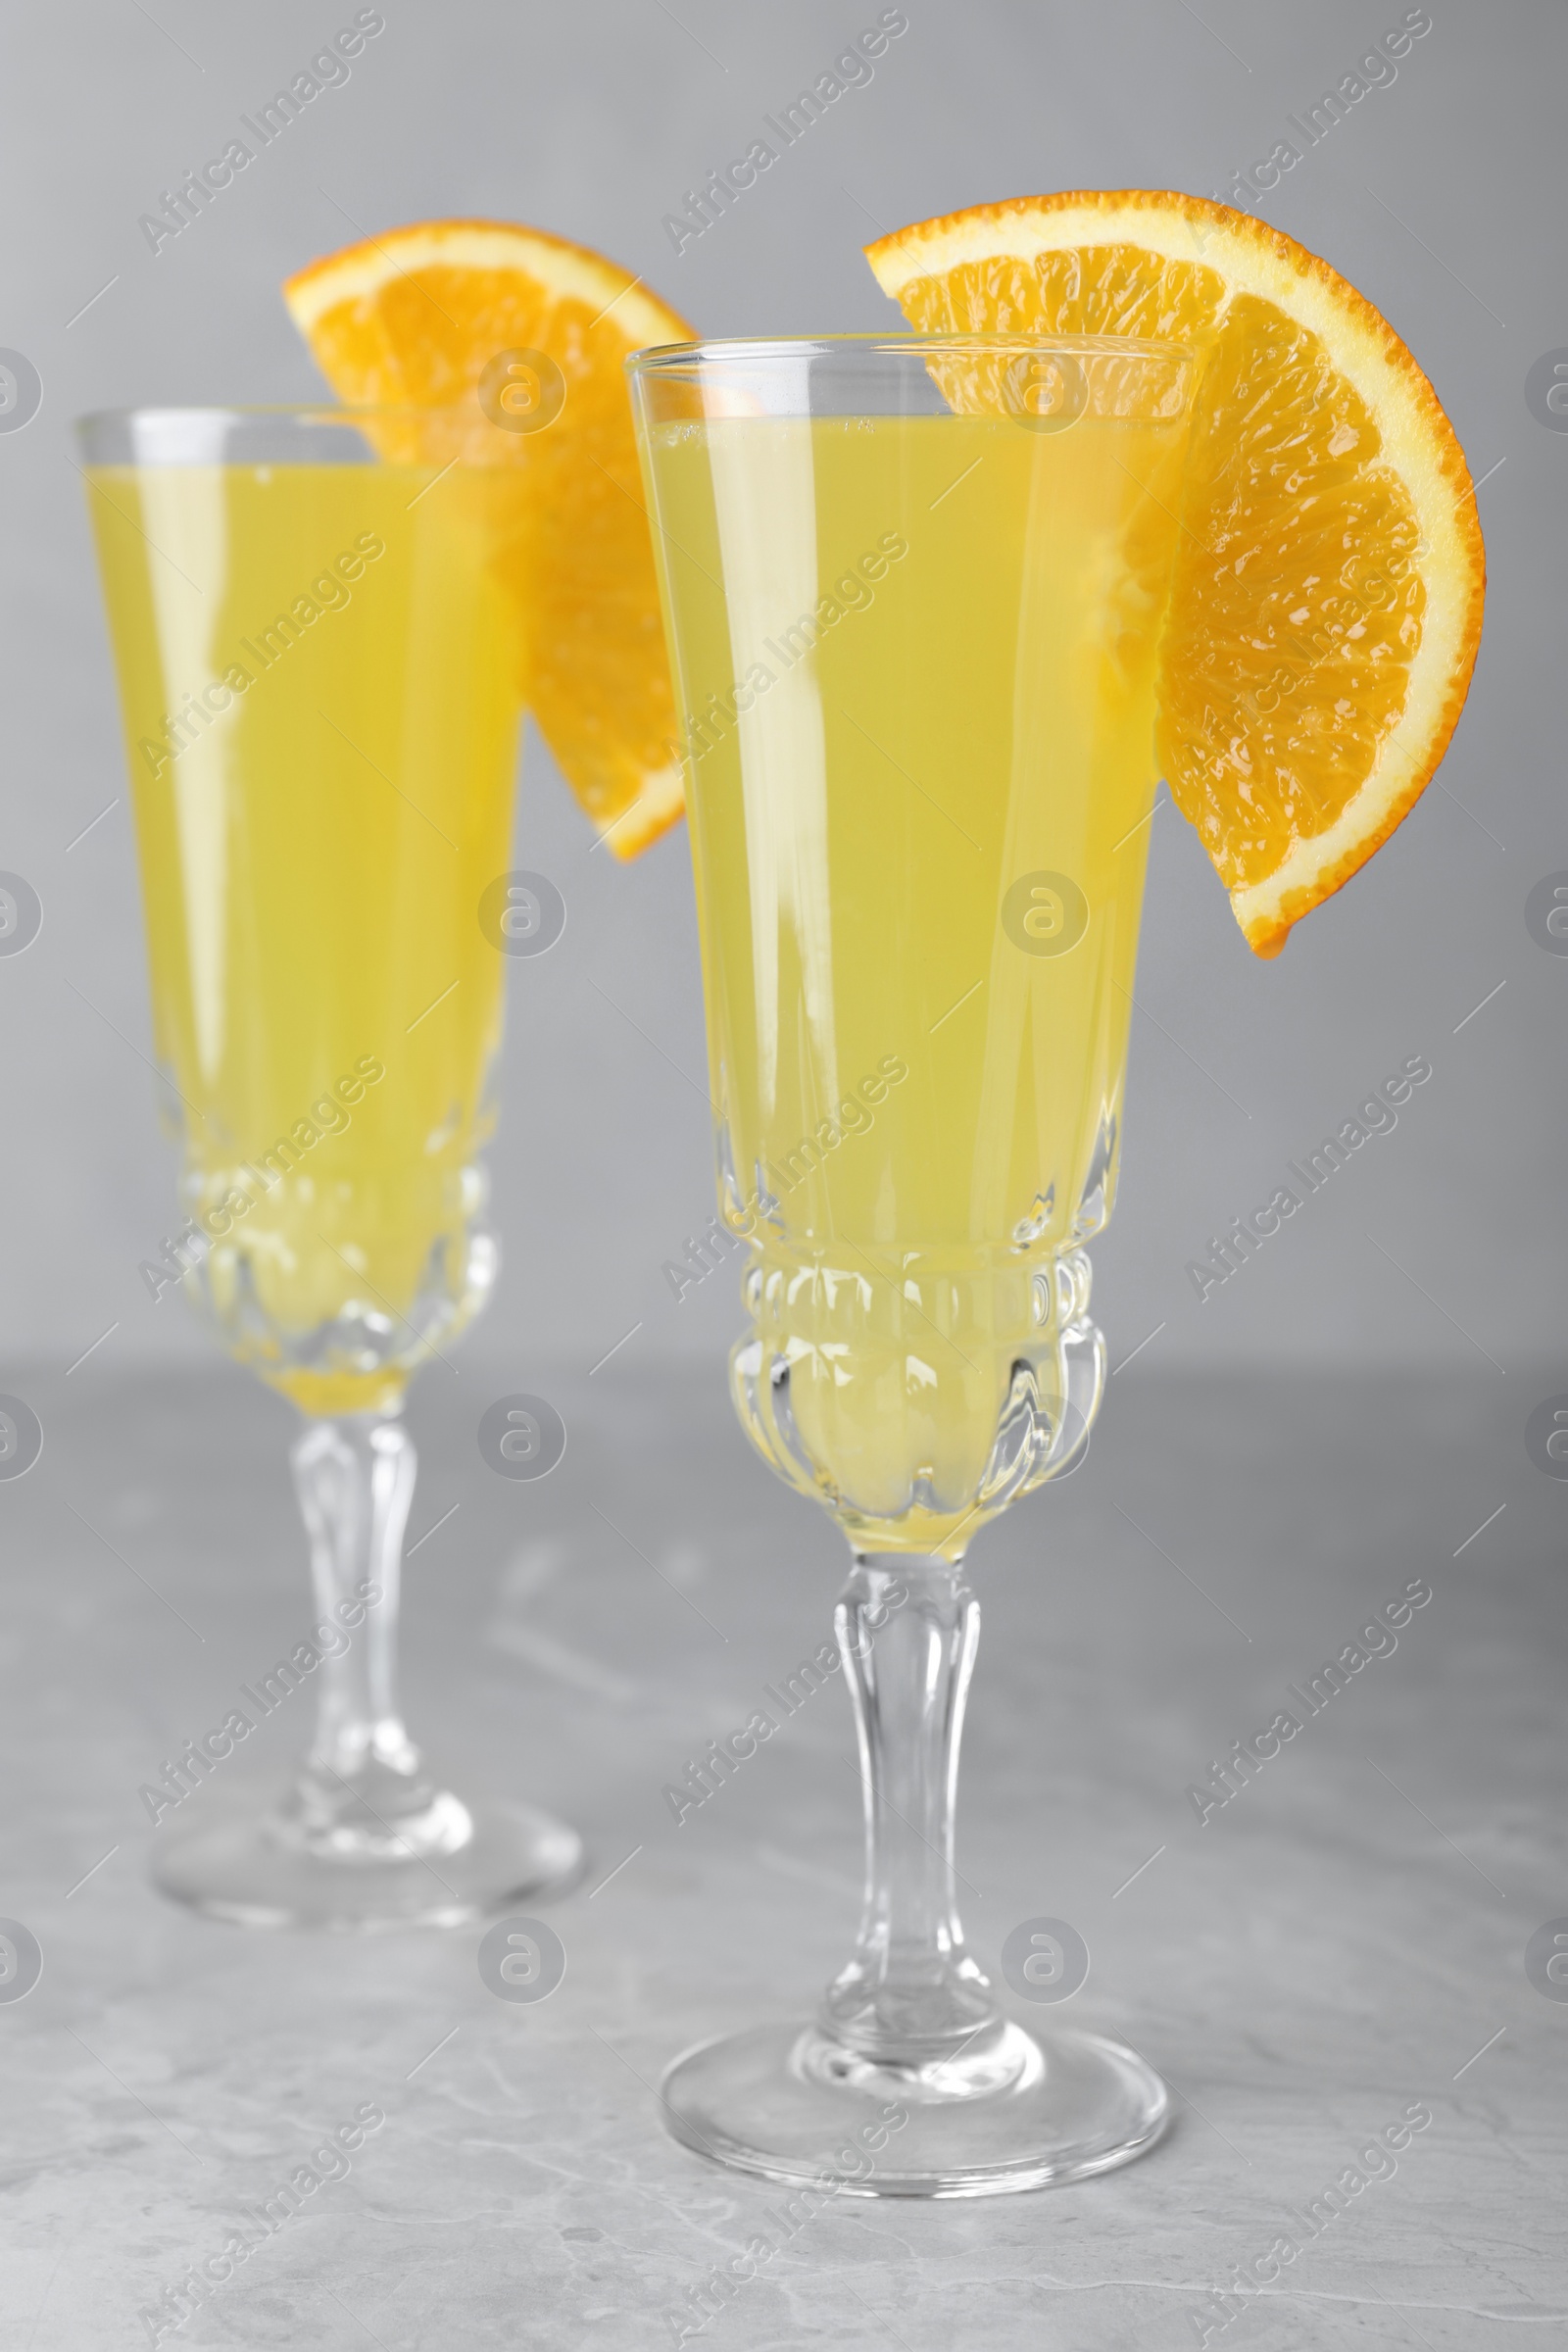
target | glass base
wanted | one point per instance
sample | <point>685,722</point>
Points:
<point>256,1869</point>
<point>1017,2113</point>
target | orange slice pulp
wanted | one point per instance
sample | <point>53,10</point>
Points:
<point>418,316</point>
<point>1326,609</point>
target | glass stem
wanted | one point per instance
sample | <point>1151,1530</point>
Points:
<point>908,1629</point>
<point>362,1792</point>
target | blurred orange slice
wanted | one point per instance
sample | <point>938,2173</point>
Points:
<point>1329,585</point>
<point>419,315</point>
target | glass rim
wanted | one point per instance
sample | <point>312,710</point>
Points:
<point>753,350</point>
<point>307,412</point>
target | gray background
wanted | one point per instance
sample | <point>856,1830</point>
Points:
<point>1347,1937</point>
<point>1432,197</point>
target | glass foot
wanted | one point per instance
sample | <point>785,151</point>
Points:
<point>259,1869</point>
<point>1008,2113</point>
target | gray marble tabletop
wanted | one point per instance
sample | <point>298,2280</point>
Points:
<point>1338,1947</point>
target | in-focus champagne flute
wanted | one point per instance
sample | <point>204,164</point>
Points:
<point>914,589</point>
<point>321,674</point>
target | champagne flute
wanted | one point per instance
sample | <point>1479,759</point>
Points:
<point>320,677</point>
<point>913,591</point>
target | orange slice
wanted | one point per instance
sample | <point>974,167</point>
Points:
<point>1327,602</point>
<point>417,315</point>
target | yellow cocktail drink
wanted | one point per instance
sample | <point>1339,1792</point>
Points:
<point>320,684</point>
<point>917,658</point>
